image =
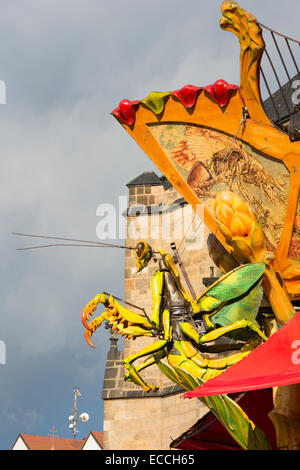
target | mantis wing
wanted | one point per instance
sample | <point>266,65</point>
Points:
<point>246,308</point>
<point>231,286</point>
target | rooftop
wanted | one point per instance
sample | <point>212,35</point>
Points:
<point>33,442</point>
<point>149,178</point>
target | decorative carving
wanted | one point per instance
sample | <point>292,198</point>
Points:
<point>244,25</point>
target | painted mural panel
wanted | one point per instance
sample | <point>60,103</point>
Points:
<point>210,161</point>
<point>294,252</point>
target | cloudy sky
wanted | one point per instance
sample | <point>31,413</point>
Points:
<point>66,65</point>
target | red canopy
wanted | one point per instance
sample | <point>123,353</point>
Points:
<point>209,434</point>
<point>274,363</point>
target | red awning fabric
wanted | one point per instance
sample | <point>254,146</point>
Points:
<point>274,363</point>
<point>209,434</point>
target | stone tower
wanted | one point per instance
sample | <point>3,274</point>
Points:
<point>134,419</point>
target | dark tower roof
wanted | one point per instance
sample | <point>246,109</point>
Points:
<point>148,178</point>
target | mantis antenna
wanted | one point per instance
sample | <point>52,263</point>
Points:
<point>85,242</point>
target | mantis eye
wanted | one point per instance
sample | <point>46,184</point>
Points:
<point>140,249</point>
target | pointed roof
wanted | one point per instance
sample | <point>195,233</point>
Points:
<point>31,442</point>
<point>274,363</point>
<point>98,437</point>
<point>148,178</point>
<point>45,442</point>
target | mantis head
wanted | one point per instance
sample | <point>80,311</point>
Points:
<point>143,254</point>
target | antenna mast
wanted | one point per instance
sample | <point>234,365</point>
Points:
<point>73,418</point>
<point>76,394</point>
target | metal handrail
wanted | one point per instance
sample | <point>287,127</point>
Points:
<point>279,117</point>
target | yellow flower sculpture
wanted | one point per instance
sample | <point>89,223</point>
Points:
<point>244,235</point>
<point>238,225</point>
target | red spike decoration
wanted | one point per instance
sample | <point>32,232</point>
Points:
<point>187,95</point>
<point>126,111</point>
<point>220,91</point>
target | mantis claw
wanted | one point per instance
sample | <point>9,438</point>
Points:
<point>93,326</point>
<point>128,324</point>
<point>88,335</point>
<point>90,308</point>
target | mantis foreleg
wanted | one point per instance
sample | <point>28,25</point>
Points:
<point>133,372</point>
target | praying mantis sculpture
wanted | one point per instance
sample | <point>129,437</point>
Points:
<point>197,339</point>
